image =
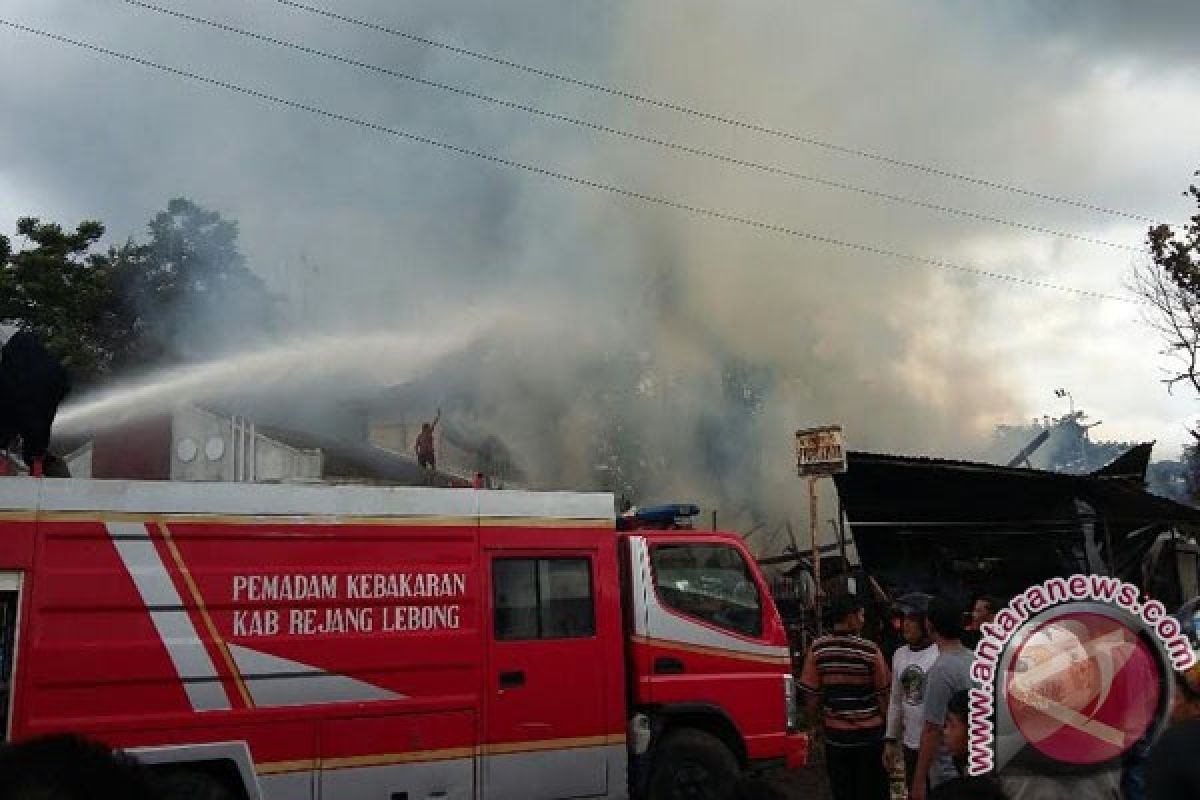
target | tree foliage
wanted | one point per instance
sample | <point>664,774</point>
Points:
<point>189,283</point>
<point>1170,286</point>
<point>61,290</point>
<point>181,293</point>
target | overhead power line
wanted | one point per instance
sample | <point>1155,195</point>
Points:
<point>714,117</point>
<point>607,129</point>
<point>567,178</point>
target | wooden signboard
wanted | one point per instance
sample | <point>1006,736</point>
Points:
<point>820,451</point>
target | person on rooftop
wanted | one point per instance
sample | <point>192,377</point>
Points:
<point>426,457</point>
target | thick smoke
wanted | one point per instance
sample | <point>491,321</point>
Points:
<point>722,341</point>
<point>663,356</point>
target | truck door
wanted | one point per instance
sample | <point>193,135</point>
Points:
<point>10,593</point>
<point>545,691</point>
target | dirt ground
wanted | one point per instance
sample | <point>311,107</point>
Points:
<point>804,784</point>
<point>809,783</point>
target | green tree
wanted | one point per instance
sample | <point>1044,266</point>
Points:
<point>63,292</point>
<point>185,292</point>
<point>190,287</point>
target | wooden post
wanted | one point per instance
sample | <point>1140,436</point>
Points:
<point>841,534</point>
<point>816,550</point>
<point>1108,545</point>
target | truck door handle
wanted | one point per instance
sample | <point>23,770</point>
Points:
<point>511,680</point>
<point>668,666</point>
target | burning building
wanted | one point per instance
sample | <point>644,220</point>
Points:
<point>963,528</point>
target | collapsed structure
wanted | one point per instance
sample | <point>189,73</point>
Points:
<point>964,528</point>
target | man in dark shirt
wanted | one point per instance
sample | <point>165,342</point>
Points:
<point>847,676</point>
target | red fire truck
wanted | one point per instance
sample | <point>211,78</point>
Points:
<point>297,642</point>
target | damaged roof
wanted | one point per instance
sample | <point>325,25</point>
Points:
<point>960,527</point>
<point>880,487</point>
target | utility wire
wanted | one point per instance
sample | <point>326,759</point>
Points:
<point>675,146</point>
<point>713,117</point>
<point>567,178</point>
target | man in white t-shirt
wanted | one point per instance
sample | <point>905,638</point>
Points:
<point>910,665</point>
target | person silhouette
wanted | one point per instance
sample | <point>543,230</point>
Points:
<point>426,456</point>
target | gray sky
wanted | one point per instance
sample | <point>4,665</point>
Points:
<point>362,230</point>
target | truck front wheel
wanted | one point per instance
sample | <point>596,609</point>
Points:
<point>692,765</point>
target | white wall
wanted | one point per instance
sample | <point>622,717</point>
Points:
<point>278,462</point>
<point>201,446</point>
<point>204,448</point>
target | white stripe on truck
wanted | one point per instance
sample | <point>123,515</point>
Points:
<point>275,681</point>
<point>188,654</point>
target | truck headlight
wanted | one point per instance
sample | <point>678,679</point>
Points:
<point>790,704</point>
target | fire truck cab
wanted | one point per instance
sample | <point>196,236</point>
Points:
<point>307,643</point>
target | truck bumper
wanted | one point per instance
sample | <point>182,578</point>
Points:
<point>796,750</point>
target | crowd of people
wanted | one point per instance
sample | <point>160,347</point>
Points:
<point>903,716</point>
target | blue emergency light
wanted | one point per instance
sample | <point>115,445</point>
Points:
<point>663,516</point>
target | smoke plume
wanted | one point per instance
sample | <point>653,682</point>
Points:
<point>661,354</point>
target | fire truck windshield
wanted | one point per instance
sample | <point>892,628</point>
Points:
<point>710,582</point>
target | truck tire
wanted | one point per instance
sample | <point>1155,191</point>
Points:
<point>190,784</point>
<point>692,765</point>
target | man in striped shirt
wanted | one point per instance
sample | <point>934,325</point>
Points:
<point>847,676</point>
